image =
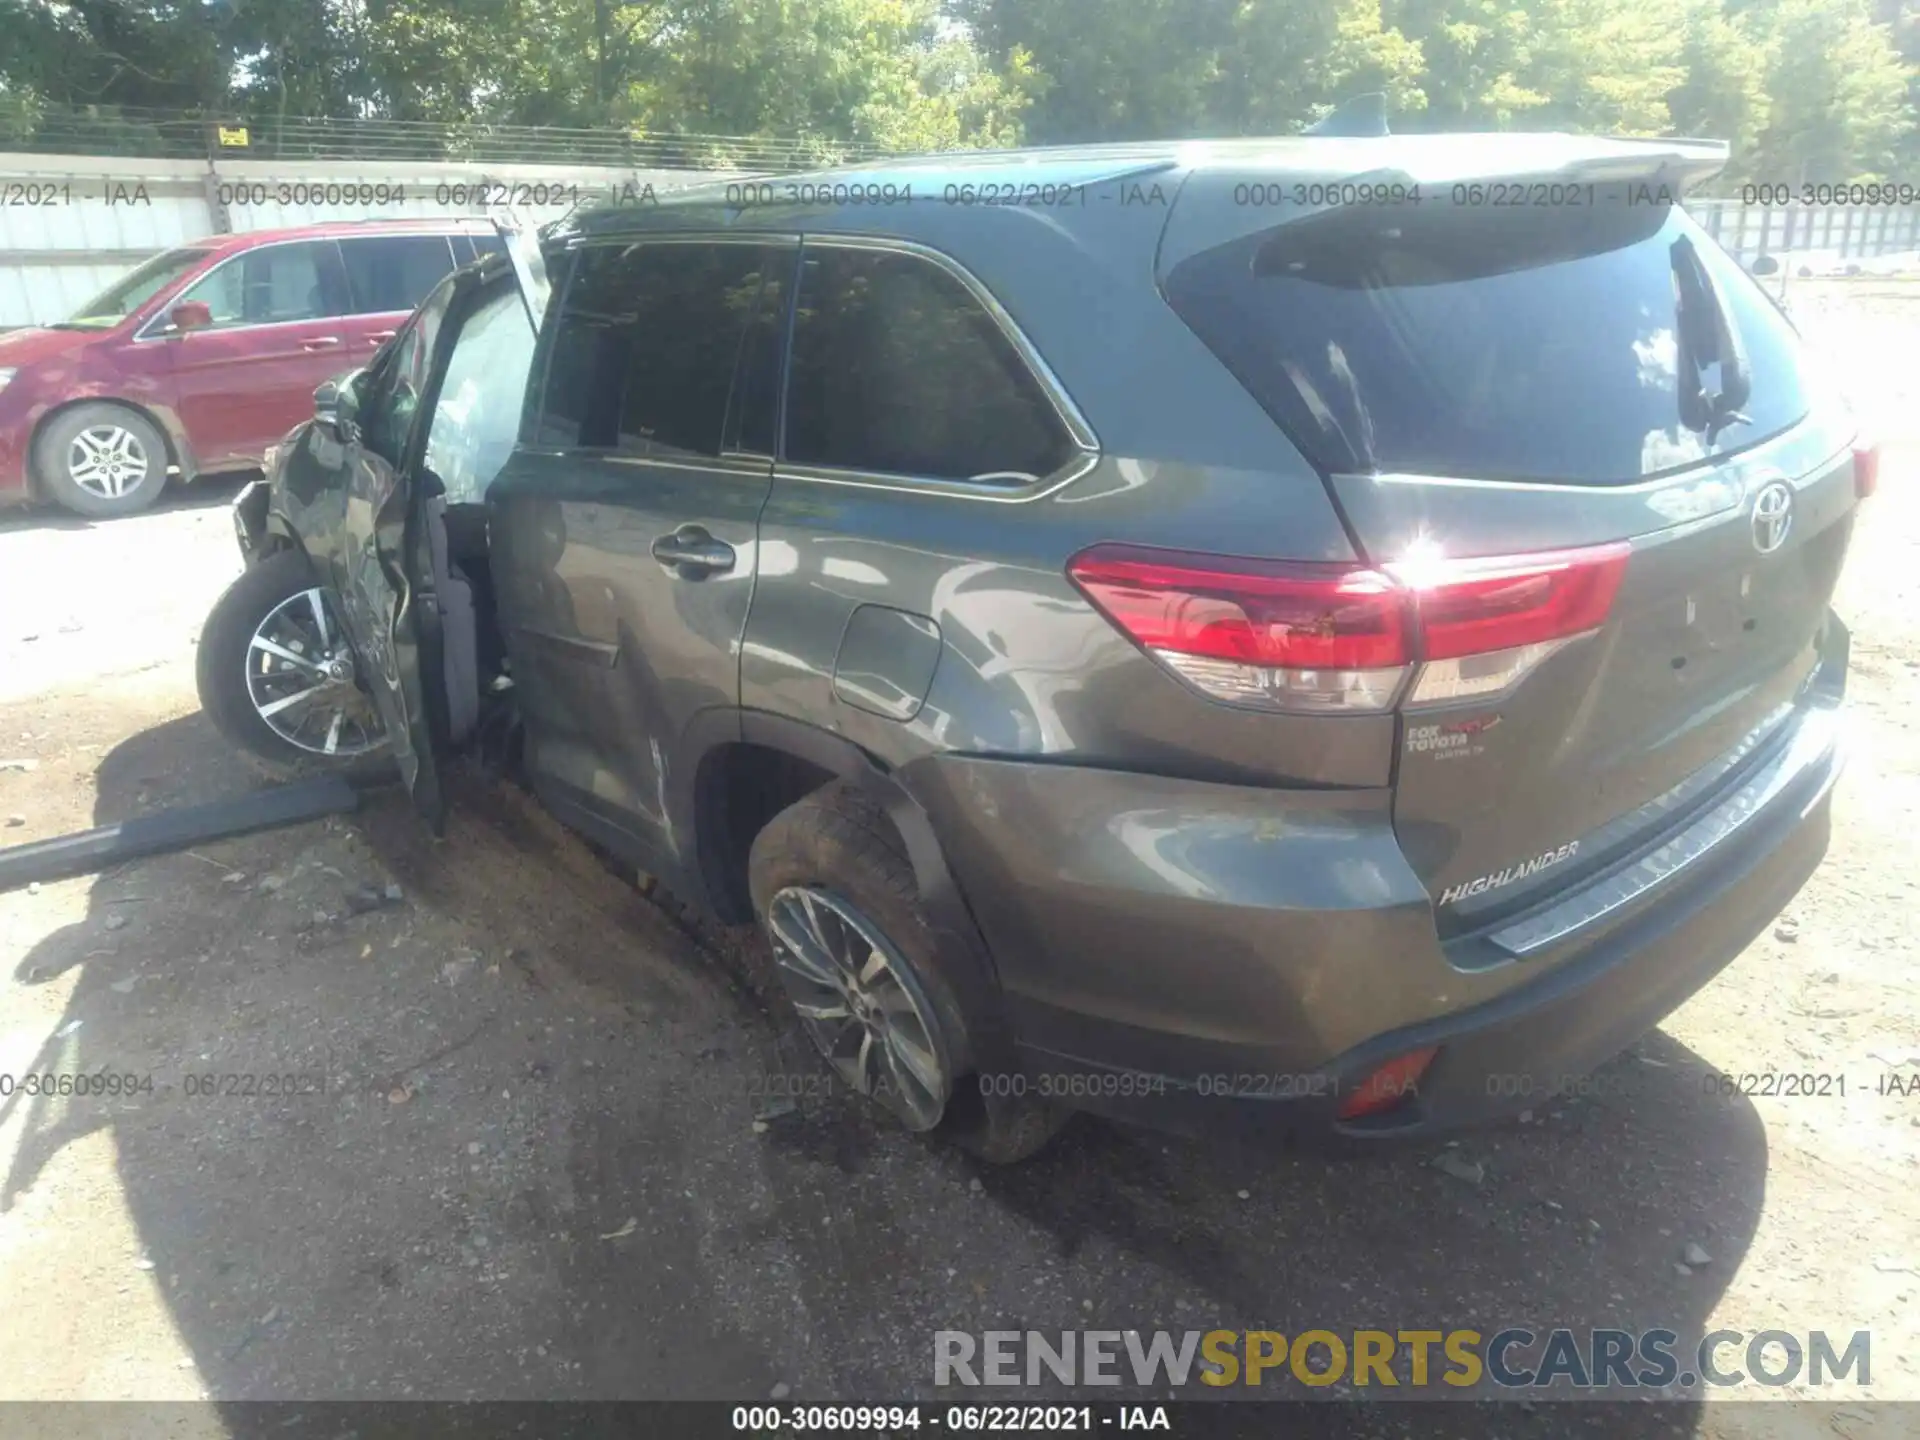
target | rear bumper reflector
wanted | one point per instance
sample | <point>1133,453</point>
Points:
<point>1387,1087</point>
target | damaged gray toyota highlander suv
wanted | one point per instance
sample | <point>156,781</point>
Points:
<point>1319,636</point>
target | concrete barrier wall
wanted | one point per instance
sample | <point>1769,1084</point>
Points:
<point>70,224</point>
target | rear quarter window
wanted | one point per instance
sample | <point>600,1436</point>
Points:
<point>896,368</point>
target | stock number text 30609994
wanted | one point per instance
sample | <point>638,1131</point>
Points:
<point>895,1419</point>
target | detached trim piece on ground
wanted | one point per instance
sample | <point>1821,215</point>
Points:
<point>92,850</point>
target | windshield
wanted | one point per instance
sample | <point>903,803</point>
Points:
<point>1551,345</point>
<point>133,290</point>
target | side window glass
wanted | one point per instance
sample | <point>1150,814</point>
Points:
<point>477,414</point>
<point>394,394</point>
<point>896,368</point>
<point>272,285</point>
<point>645,348</point>
<point>755,413</point>
<point>388,273</point>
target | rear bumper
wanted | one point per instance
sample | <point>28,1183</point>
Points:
<point>1213,959</point>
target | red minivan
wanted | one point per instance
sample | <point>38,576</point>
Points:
<point>204,356</point>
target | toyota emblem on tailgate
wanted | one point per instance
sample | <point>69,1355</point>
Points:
<point>1772,516</point>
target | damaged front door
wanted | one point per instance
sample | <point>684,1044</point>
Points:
<point>387,454</point>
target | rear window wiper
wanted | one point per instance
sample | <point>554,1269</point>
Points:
<point>1706,333</point>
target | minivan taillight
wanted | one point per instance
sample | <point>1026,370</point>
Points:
<point>1332,637</point>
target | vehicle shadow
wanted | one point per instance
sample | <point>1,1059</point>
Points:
<point>508,1189</point>
<point>202,494</point>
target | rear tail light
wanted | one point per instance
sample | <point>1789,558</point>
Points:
<point>1394,1082</point>
<point>1866,468</point>
<point>1256,632</point>
<point>1486,623</point>
<point>1322,638</point>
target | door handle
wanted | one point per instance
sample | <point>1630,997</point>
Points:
<point>380,337</point>
<point>321,342</point>
<point>693,553</point>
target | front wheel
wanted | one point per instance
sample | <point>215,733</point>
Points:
<point>857,958</point>
<point>276,675</point>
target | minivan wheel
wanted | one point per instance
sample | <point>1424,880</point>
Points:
<point>101,461</point>
<point>855,957</point>
<point>277,678</point>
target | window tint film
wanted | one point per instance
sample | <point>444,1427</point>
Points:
<point>645,348</point>
<point>273,285</point>
<point>394,272</point>
<point>897,368</point>
<point>1487,342</point>
<point>477,414</point>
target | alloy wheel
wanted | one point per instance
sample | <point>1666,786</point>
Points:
<point>300,678</point>
<point>861,1003</point>
<point>107,461</point>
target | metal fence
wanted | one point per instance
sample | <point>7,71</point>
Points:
<point>1820,238</point>
<point>116,132</point>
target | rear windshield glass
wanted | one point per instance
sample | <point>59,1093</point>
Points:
<point>1482,342</point>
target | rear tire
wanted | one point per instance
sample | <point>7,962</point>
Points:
<point>831,882</point>
<point>227,670</point>
<point>101,460</point>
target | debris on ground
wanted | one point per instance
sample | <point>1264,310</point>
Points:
<point>1459,1167</point>
<point>362,899</point>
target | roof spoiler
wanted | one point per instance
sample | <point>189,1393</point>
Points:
<point>1363,115</point>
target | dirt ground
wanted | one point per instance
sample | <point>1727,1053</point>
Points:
<point>529,1154</point>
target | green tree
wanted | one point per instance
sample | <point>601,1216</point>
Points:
<point>1597,65</point>
<point>1838,88</point>
<point>1102,70</point>
<point>1289,61</point>
<point>166,54</point>
<point>1723,93</point>
<point>887,72</point>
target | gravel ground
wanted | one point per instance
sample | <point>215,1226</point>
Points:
<point>529,1155</point>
